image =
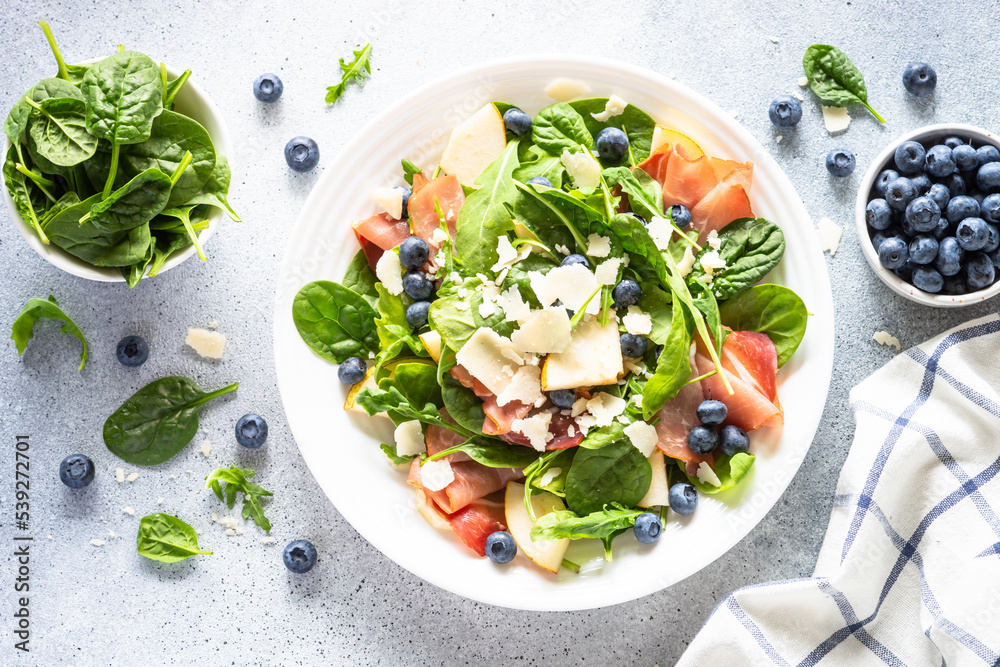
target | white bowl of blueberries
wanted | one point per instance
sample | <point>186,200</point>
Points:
<point>928,215</point>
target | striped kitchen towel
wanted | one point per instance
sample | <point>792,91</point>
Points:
<point>909,570</point>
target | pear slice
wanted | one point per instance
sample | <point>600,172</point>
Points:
<point>430,513</point>
<point>547,554</point>
<point>474,144</point>
<point>659,489</point>
<point>688,147</point>
<point>432,341</point>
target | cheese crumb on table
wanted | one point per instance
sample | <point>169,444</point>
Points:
<point>159,501</point>
<point>120,475</point>
<point>268,539</point>
<point>836,119</point>
<point>112,534</point>
<point>887,339</point>
<point>390,272</point>
<point>778,139</point>
<point>829,235</point>
<point>206,448</point>
<point>129,511</point>
<point>797,95</point>
<point>803,82</point>
<point>208,344</point>
<point>774,40</point>
<point>97,543</point>
<point>132,477</point>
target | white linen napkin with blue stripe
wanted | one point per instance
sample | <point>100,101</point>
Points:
<point>909,570</point>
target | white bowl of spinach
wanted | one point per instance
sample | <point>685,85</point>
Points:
<point>115,168</point>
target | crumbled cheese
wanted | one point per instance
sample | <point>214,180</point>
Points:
<point>435,475</point>
<point>213,325</point>
<point>515,308</point>
<point>487,308</point>
<point>390,200</point>
<point>525,387</point>
<point>112,534</point>
<point>230,532</point>
<point>129,511</point>
<point>579,407</point>
<point>159,501</point>
<point>461,305</point>
<point>535,429</point>
<point>836,119</point>
<point>686,265</point>
<point>637,322</point>
<point>483,357</point>
<point>615,106</point>
<point>546,330</point>
<point>607,271</point>
<point>97,543</point>
<point>438,237</point>
<point>563,89</point>
<point>774,40</point>
<point>605,407</point>
<point>622,419</point>
<point>208,344</point>
<point>120,475</point>
<point>462,292</point>
<point>206,448</point>
<point>586,422</point>
<point>268,539</point>
<point>570,430</point>
<point>582,168</point>
<point>572,285</point>
<point>215,517</point>
<point>506,253</point>
<point>230,522</point>
<point>409,437</point>
<point>887,339</point>
<point>707,476</point>
<point>829,235</point>
<point>643,437</point>
<point>803,82</point>
<point>512,355</point>
<point>560,248</point>
<point>390,272</point>
<point>713,240</point>
<point>778,139</point>
<point>798,96</point>
<point>134,476</point>
<point>549,475</point>
<point>501,277</point>
<point>637,367</point>
<point>660,230</point>
<point>712,262</point>
<point>598,246</point>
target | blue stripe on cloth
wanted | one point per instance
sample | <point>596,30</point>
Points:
<point>755,631</point>
<point>857,627</point>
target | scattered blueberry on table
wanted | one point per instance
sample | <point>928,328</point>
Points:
<point>268,88</point>
<point>302,154</point>
<point>132,351</point>
<point>919,79</point>
<point>683,498</point>
<point>500,547</point>
<point>785,112</point>
<point>647,528</point>
<point>251,431</point>
<point>352,371</point>
<point>299,556</point>
<point>840,162</point>
<point>76,471</point>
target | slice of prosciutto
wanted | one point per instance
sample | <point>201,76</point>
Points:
<point>749,363</point>
<point>378,234</point>
<point>677,417</point>
<point>476,521</point>
<point>498,417</point>
<point>444,191</point>
<point>560,427</point>
<point>472,482</point>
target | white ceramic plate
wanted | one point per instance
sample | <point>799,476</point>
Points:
<point>342,449</point>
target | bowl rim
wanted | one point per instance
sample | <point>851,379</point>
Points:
<point>66,262</point>
<point>895,283</point>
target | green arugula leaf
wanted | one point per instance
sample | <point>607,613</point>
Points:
<point>355,71</point>
<point>774,310</point>
<point>166,538</point>
<point>729,469</point>
<point>563,524</point>
<point>484,217</point>
<point>227,482</point>
<point>835,79</point>
<point>409,169</point>
<point>390,452</point>
<point>23,329</point>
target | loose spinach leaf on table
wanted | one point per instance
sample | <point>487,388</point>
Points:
<point>615,473</point>
<point>58,128</point>
<point>158,421</point>
<point>729,469</point>
<point>334,321</point>
<point>216,189</point>
<point>23,328</point>
<point>484,216</point>
<point>355,71</point>
<point>562,524</point>
<point>673,368</point>
<point>636,123</point>
<point>751,247</point>
<point>561,127</point>
<point>835,79</point>
<point>227,482</point>
<point>774,310</point>
<point>166,538</point>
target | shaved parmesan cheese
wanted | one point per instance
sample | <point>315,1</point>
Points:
<point>836,119</point>
<point>549,475</point>
<point>579,407</point>
<point>483,357</point>
<point>129,511</point>
<point>582,168</point>
<point>547,330</point>
<point>605,407</point>
<point>712,262</point>
<point>439,236</point>
<point>615,106</point>
<point>799,97</point>
<point>829,235</point>
<point>132,477</point>
<point>643,437</point>
<point>208,344</point>
<point>660,230</point>
<point>637,322</point>
<point>487,307</point>
<point>774,40</point>
<point>390,200</point>
<point>390,272</point>
<point>206,448</point>
<point>572,285</point>
<point>535,429</point>
<point>515,308</point>
<point>506,253</point>
<point>435,475</point>
<point>887,339</point>
<point>607,271</point>
<point>562,249</point>
<point>593,358</point>
<point>120,475</point>
<point>97,543</point>
<point>585,422</point>
<point>778,139</point>
<point>686,265</point>
<point>707,476</point>
<point>598,246</point>
<point>409,437</point>
<point>525,387</point>
<point>564,90</point>
<point>713,240</point>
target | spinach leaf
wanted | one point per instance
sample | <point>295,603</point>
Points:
<point>673,369</point>
<point>131,248</point>
<point>133,273</point>
<point>123,94</point>
<point>360,278</point>
<point>615,473</point>
<point>656,302</point>
<point>355,71</point>
<point>751,247</point>
<point>704,301</point>
<point>483,217</point>
<point>729,469</point>
<point>46,89</point>
<point>166,538</point>
<point>602,436</point>
<point>518,276</point>
<point>549,461</point>
<point>59,130</point>
<point>216,188</point>
<point>461,402</point>
<point>166,245</point>
<point>834,78</point>
<point>451,316</point>
<point>415,379</point>
<point>173,87</point>
<point>635,239</point>
<point>81,240</point>
<point>19,188</point>
<point>183,214</point>
<point>227,482</point>
<point>645,196</point>
<point>560,127</point>
<point>774,310</point>
<point>23,329</point>
<point>492,453</point>
<point>562,524</point>
<point>334,321</point>
<point>158,421</point>
<point>637,125</point>
<point>540,163</point>
<point>394,332</point>
<point>552,217</point>
<point>132,205</point>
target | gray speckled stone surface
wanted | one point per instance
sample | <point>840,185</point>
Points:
<point>108,605</point>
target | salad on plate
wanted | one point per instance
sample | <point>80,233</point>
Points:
<point>565,321</point>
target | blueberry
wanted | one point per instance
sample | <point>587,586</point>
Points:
<point>922,182</point>
<point>905,272</point>
<point>733,440</point>
<point>132,351</point>
<point>919,79</point>
<point>516,121</point>
<point>417,286</point>
<point>955,184</point>
<point>352,371</point>
<point>632,345</point>
<point>683,498</point>
<point>900,193</point>
<point>712,412</point>
<point>995,258</point>
<point>681,215</point>
<point>909,157</point>
<point>988,153</point>
<point>955,285</point>
<point>973,234</point>
<point>893,253</point>
<point>656,353</point>
<point>268,88</point>
<point>413,252</point>
<point>633,214</point>
<point>908,231</point>
<point>302,154</point>
<point>785,112</point>
<point>702,440</point>
<point>950,256</point>
<point>927,280</point>
<point>923,214</point>
<point>979,271</point>
<point>966,157</point>
<point>960,208</point>
<point>879,237</point>
<point>942,229</point>
<point>251,431</point>
<point>988,177</point>
<point>940,195</point>
<point>626,293</point>
<point>540,180</point>
<point>76,471</point>
<point>884,179</point>
<point>994,238</point>
<point>940,161</point>
<point>953,142</point>
<point>990,208</point>
<point>405,214</point>
<point>923,249</point>
<point>647,528</point>
<point>878,215</point>
<point>562,398</point>
<point>570,260</point>
<point>500,546</point>
<point>612,144</point>
<point>840,162</point>
<point>299,556</point>
<point>416,314</point>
